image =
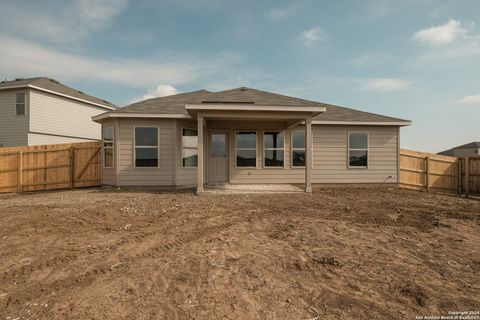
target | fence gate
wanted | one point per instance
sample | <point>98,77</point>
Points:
<point>50,167</point>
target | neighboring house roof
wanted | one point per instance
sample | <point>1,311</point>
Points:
<point>471,145</point>
<point>55,87</point>
<point>175,105</point>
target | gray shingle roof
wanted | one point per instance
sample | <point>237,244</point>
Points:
<point>53,85</point>
<point>449,152</point>
<point>175,104</point>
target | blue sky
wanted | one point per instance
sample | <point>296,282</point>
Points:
<point>417,60</point>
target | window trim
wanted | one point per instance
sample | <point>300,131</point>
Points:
<point>296,149</point>
<point>145,147</point>
<point>112,147</point>
<point>25,104</point>
<point>182,147</point>
<point>256,149</point>
<point>264,166</point>
<point>367,149</point>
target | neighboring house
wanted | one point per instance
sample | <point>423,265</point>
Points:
<point>246,136</point>
<point>43,111</point>
<point>471,149</point>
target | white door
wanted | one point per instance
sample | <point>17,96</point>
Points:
<point>218,156</point>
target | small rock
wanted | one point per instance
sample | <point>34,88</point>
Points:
<point>127,226</point>
<point>288,300</point>
<point>26,261</point>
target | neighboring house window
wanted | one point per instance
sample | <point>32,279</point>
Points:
<point>2,145</point>
<point>20,105</point>
<point>246,149</point>
<point>146,147</point>
<point>189,148</point>
<point>108,137</point>
<point>298,148</point>
<point>273,147</point>
<point>358,150</point>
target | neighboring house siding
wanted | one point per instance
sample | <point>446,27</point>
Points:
<point>39,139</point>
<point>61,116</point>
<point>466,152</point>
<point>330,155</point>
<point>183,176</point>
<point>161,176</point>
<point>13,128</point>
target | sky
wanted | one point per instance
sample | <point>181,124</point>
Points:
<point>416,60</point>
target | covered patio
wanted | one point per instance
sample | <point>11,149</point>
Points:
<point>249,134</point>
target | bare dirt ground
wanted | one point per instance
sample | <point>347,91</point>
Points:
<point>334,254</point>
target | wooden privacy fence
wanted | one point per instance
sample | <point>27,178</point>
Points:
<point>432,172</point>
<point>50,167</point>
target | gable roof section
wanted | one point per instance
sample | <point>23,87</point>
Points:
<point>473,145</point>
<point>55,87</point>
<point>175,105</point>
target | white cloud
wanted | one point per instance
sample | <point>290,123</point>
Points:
<point>386,84</point>
<point>441,35</point>
<point>25,58</point>
<point>277,14</point>
<point>470,100</point>
<point>58,22</point>
<point>162,90</point>
<point>313,35</point>
<point>371,59</point>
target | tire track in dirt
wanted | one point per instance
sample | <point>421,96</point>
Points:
<point>88,277</point>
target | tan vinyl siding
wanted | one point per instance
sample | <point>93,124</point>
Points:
<point>62,116</point>
<point>13,128</point>
<point>109,174</point>
<point>330,157</point>
<point>161,176</point>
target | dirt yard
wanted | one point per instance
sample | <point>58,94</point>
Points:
<point>334,254</point>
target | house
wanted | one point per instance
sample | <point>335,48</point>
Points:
<point>471,149</point>
<point>38,111</point>
<point>246,136</point>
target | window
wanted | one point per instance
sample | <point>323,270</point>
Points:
<point>20,106</point>
<point>219,145</point>
<point>358,150</point>
<point>146,147</point>
<point>189,148</point>
<point>298,149</point>
<point>2,145</point>
<point>273,148</point>
<point>108,138</point>
<point>246,149</point>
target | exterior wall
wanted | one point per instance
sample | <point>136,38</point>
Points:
<point>466,152</point>
<point>127,174</point>
<point>51,114</point>
<point>109,175</point>
<point>38,139</point>
<point>13,128</point>
<point>330,155</point>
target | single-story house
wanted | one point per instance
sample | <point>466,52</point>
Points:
<point>471,149</point>
<point>36,111</point>
<point>246,136</point>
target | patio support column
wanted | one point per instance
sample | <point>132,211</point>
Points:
<point>200,124</point>
<point>308,153</point>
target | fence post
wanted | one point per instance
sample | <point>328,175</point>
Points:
<point>72,167</point>
<point>20,171</point>
<point>467,176</point>
<point>427,173</point>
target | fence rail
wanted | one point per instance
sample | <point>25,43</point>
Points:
<point>432,172</point>
<point>48,167</point>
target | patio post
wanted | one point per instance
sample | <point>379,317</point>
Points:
<point>308,153</point>
<point>200,124</point>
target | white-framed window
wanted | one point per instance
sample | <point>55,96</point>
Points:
<point>246,149</point>
<point>108,137</point>
<point>20,104</point>
<point>358,150</point>
<point>273,149</point>
<point>298,149</point>
<point>189,148</point>
<point>146,147</point>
